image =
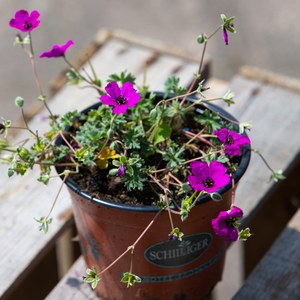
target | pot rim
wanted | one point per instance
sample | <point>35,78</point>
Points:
<point>245,159</point>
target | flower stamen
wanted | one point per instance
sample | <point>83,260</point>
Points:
<point>121,100</point>
<point>208,182</point>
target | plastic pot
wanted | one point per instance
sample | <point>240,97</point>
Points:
<point>187,269</point>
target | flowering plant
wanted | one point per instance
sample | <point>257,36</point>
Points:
<point>136,141</point>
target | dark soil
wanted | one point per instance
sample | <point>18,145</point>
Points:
<point>113,189</point>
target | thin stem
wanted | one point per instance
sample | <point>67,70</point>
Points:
<point>108,138</point>
<point>198,73</point>
<point>58,193</point>
<point>131,260</point>
<point>26,124</point>
<point>201,63</point>
<point>199,137</point>
<point>232,191</point>
<point>90,82</point>
<point>36,77</point>
<point>133,245</point>
<point>200,157</point>
<point>67,142</point>
<point>263,159</point>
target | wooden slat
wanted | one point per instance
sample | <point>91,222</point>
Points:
<point>72,285</point>
<point>277,277</point>
<point>275,114</point>
<point>22,198</point>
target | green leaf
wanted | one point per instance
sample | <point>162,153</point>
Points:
<point>22,41</point>
<point>44,178</point>
<point>277,175</point>
<point>73,77</point>
<point>222,158</point>
<point>113,172</point>
<point>223,17</point>
<point>244,234</point>
<point>10,172</point>
<point>172,86</point>
<point>93,277</point>
<point>45,222</point>
<point>227,98</point>
<point>185,188</point>
<point>209,119</point>
<point>243,126</point>
<point>130,279</point>
<point>163,133</point>
<point>125,76</point>
<point>3,144</point>
<point>177,233</point>
<point>216,197</point>
<point>42,98</point>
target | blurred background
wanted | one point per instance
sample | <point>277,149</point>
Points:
<point>268,35</point>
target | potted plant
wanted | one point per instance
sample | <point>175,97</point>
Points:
<point>152,176</point>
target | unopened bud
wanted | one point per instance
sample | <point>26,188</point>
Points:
<point>19,101</point>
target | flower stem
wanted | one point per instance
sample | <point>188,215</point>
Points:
<point>201,64</point>
<point>35,74</point>
<point>67,173</point>
<point>133,245</point>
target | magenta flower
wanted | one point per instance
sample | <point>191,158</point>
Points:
<point>206,177</point>
<point>120,99</point>
<point>226,223</point>
<point>225,36</point>
<point>232,141</point>
<point>57,50</point>
<point>25,22</point>
<point>121,171</point>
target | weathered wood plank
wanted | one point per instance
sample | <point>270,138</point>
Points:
<point>23,199</point>
<point>275,114</point>
<point>72,285</point>
<point>277,277</point>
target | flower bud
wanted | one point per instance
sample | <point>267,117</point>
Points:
<point>153,114</point>
<point>200,39</point>
<point>2,127</point>
<point>110,133</point>
<point>19,101</point>
<point>121,171</point>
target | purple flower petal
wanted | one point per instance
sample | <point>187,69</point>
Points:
<point>232,141</point>
<point>206,177</point>
<point>57,50</point>
<point>225,36</point>
<point>113,90</point>
<point>222,134</point>
<point>22,14</point>
<point>105,99</point>
<point>121,171</point>
<point>199,168</point>
<point>34,15</point>
<point>120,98</point>
<point>236,212</point>
<point>119,109</point>
<point>225,224</point>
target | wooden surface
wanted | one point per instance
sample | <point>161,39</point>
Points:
<point>277,277</point>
